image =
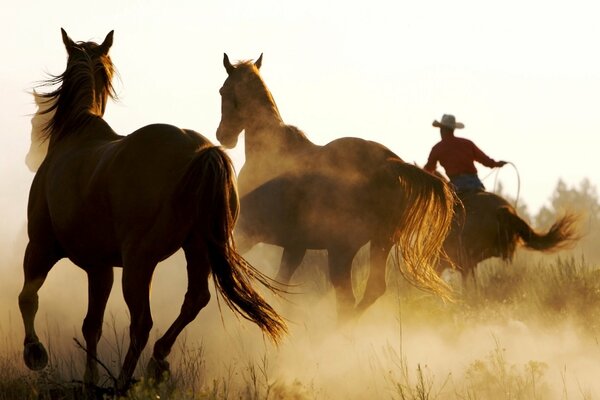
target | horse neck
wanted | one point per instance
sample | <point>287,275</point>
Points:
<point>268,135</point>
<point>79,101</point>
<point>93,131</point>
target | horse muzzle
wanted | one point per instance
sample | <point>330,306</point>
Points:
<point>227,137</point>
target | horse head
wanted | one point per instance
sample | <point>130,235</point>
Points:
<point>239,94</point>
<point>82,89</point>
<point>95,56</point>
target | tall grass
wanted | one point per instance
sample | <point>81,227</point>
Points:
<point>529,293</point>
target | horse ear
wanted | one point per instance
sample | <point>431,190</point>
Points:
<point>69,44</point>
<point>108,41</point>
<point>258,62</point>
<point>228,67</point>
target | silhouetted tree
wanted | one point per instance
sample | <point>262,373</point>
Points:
<point>582,201</point>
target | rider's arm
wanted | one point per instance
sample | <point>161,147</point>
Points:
<point>483,158</point>
<point>431,161</point>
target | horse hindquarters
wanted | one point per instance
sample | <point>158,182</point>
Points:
<point>424,215</point>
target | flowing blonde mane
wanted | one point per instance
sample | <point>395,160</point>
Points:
<point>39,143</point>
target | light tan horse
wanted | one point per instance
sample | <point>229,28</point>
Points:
<point>336,197</point>
<point>104,200</point>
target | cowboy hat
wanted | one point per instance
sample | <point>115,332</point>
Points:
<point>448,121</point>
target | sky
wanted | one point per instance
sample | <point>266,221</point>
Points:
<point>523,76</point>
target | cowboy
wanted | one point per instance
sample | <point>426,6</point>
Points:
<point>457,156</point>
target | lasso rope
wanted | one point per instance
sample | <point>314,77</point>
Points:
<point>496,172</point>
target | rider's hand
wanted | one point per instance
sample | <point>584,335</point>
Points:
<point>501,163</point>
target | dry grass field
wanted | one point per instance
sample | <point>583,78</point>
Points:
<point>523,331</point>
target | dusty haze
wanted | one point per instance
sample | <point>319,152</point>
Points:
<point>456,347</point>
<point>486,345</point>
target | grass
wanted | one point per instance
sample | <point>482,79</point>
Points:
<point>537,294</point>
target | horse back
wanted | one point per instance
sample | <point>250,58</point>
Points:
<point>101,195</point>
<point>351,151</point>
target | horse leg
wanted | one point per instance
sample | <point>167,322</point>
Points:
<point>196,298</point>
<point>468,274</point>
<point>136,292</point>
<point>37,263</point>
<point>290,260</point>
<point>340,269</point>
<point>100,281</point>
<point>243,242</point>
<point>376,286</point>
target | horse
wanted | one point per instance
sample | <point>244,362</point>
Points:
<point>486,225</point>
<point>104,200</point>
<point>337,197</point>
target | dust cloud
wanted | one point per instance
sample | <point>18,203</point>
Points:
<point>406,343</point>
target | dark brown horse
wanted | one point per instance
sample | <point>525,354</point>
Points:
<point>336,197</point>
<point>486,226</point>
<point>105,200</point>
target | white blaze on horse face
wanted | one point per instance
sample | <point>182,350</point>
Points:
<point>39,145</point>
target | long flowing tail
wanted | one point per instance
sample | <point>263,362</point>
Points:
<point>425,215</point>
<point>561,234</point>
<point>216,192</point>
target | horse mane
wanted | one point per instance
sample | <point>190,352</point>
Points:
<point>257,85</point>
<point>79,96</point>
<point>298,135</point>
<point>244,63</point>
<point>39,143</point>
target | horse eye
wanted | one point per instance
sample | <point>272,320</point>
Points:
<point>229,96</point>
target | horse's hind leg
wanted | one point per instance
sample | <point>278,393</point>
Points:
<point>36,265</point>
<point>136,292</point>
<point>376,281</point>
<point>196,298</point>
<point>100,281</point>
<point>290,260</point>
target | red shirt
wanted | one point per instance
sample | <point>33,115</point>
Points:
<point>457,156</point>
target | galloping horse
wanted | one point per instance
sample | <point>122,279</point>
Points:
<point>105,200</point>
<point>486,226</point>
<point>337,197</point>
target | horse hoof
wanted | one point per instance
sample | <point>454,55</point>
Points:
<point>35,356</point>
<point>123,386</point>
<point>158,370</point>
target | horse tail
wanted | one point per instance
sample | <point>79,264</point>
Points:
<point>424,218</point>
<point>212,176</point>
<point>560,235</point>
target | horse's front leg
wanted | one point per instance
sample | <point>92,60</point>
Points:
<point>38,261</point>
<point>100,282</point>
<point>196,298</point>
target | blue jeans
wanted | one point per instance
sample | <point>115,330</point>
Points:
<point>464,182</point>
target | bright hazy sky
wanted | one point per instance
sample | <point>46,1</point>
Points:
<point>524,76</point>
